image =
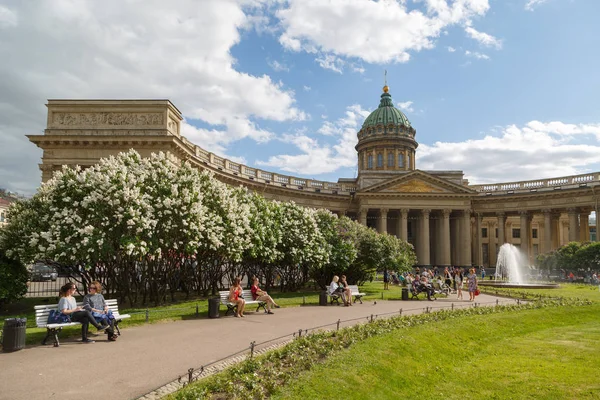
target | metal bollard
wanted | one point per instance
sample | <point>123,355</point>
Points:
<point>497,302</point>
<point>190,375</point>
<point>147,315</point>
<point>518,302</point>
<point>338,325</point>
<point>452,306</point>
<point>299,332</point>
<point>400,312</point>
<point>371,317</point>
<point>252,349</point>
<point>197,311</point>
<point>381,295</point>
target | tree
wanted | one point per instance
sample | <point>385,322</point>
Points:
<point>13,279</point>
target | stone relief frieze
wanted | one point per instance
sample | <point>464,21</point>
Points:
<point>106,119</point>
<point>172,126</point>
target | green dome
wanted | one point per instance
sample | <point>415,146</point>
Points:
<point>386,114</point>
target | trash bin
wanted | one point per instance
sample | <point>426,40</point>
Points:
<point>404,293</point>
<point>213,307</point>
<point>13,334</point>
<point>323,298</point>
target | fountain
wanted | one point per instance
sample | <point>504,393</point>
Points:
<point>509,273</point>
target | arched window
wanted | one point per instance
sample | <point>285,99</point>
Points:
<point>370,162</point>
<point>379,160</point>
<point>390,159</point>
<point>400,160</point>
<point>408,164</point>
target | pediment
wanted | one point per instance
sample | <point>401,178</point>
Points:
<point>418,182</point>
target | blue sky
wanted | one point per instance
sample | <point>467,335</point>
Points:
<point>503,90</point>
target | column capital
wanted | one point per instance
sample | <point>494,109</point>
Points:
<point>384,210</point>
<point>426,211</point>
<point>546,210</point>
<point>572,210</point>
<point>404,211</point>
<point>446,212</point>
<point>479,216</point>
<point>501,214</point>
<point>467,213</point>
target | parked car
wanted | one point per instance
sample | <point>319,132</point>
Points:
<point>42,272</point>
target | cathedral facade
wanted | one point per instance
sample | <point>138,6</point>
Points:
<point>448,220</point>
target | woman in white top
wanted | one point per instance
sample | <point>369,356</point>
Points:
<point>334,288</point>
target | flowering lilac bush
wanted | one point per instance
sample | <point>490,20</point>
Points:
<point>149,227</point>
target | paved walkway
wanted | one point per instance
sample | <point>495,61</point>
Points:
<point>148,356</point>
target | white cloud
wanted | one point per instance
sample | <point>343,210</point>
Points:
<point>483,38</point>
<point>531,4</point>
<point>372,31</point>
<point>357,68</point>
<point>405,106</point>
<point>329,61</point>
<point>451,49</point>
<point>130,49</point>
<point>534,151</point>
<point>8,18</point>
<point>477,55</point>
<point>277,66</point>
<point>317,158</point>
<point>306,88</point>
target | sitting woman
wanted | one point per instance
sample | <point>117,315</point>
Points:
<point>94,302</point>
<point>261,295</point>
<point>347,291</point>
<point>335,289</point>
<point>68,306</point>
<point>235,296</point>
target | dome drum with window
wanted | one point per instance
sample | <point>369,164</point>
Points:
<point>386,140</point>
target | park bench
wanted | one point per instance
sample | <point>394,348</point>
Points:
<point>247,294</point>
<point>354,291</point>
<point>415,292</point>
<point>42,312</point>
<point>356,294</point>
<point>441,289</point>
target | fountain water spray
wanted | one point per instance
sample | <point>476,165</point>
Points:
<point>508,265</point>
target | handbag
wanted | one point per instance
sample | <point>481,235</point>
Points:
<point>477,292</point>
<point>56,317</point>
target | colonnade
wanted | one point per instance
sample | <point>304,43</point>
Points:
<point>446,237</point>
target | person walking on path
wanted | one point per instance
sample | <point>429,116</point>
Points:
<point>261,295</point>
<point>235,296</point>
<point>68,306</point>
<point>458,282</point>
<point>472,283</point>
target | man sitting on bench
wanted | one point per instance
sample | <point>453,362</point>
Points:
<point>425,286</point>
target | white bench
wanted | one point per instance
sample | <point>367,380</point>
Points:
<point>247,294</point>
<point>42,312</point>
<point>356,293</point>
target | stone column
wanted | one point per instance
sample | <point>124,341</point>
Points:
<point>584,226</point>
<point>403,224</point>
<point>385,167</point>
<point>547,230</point>
<point>383,220</point>
<point>362,216</point>
<point>525,232</point>
<point>492,244</point>
<point>478,239</point>
<point>423,253</point>
<point>573,231</point>
<point>501,224</point>
<point>465,230</point>
<point>444,239</point>
<point>555,231</point>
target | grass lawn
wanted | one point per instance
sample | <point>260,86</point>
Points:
<point>549,353</point>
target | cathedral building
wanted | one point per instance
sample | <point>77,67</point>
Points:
<point>448,220</point>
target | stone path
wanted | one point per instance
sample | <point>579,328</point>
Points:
<point>150,356</point>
